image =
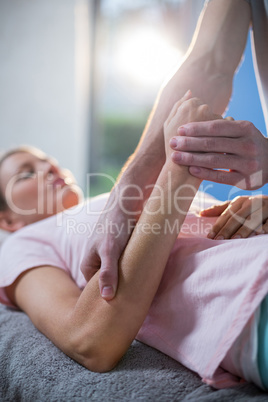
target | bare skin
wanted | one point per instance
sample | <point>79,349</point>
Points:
<point>240,218</point>
<point>80,322</point>
<point>208,71</point>
<point>35,187</point>
<point>234,145</point>
<point>245,148</point>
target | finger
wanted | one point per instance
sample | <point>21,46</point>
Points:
<point>264,228</point>
<point>244,215</point>
<point>206,144</point>
<point>261,212</point>
<point>108,279</point>
<point>229,230</point>
<point>214,128</point>
<point>219,176</point>
<point>208,160</point>
<point>252,224</point>
<point>227,223</point>
<point>186,96</point>
<point>215,210</point>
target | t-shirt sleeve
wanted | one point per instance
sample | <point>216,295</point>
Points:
<point>23,251</point>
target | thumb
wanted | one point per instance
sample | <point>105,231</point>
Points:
<point>108,279</point>
<point>215,210</point>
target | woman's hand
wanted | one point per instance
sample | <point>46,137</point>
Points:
<point>186,110</point>
<point>239,218</point>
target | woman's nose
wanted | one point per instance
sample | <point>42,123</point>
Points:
<point>49,169</point>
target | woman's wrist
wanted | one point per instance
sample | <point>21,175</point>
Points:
<point>180,174</point>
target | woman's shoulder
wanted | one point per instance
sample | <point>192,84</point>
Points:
<point>31,246</point>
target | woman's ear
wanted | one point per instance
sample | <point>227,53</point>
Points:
<point>9,222</point>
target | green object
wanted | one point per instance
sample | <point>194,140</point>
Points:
<point>263,343</point>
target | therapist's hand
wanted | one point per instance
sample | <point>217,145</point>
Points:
<point>108,241</point>
<point>187,109</point>
<point>239,218</point>
<point>208,147</point>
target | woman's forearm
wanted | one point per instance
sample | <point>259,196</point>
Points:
<point>154,236</point>
<point>106,329</point>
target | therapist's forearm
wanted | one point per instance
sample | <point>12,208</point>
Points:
<point>208,71</point>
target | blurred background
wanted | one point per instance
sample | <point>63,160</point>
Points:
<point>78,78</point>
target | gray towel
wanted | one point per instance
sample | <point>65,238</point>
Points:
<point>33,369</point>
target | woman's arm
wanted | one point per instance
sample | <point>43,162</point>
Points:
<point>94,332</point>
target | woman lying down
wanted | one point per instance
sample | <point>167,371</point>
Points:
<point>199,300</point>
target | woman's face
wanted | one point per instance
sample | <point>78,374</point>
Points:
<point>35,187</point>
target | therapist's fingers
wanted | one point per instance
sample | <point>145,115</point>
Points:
<point>230,177</point>
<point>245,152</point>
<point>214,128</point>
<point>209,160</point>
<point>206,144</point>
<point>108,278</point>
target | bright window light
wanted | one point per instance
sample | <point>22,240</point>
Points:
<point>145,56</point>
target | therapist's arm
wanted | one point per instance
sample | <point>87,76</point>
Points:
<point>234,153</point>
<point>208,71</point>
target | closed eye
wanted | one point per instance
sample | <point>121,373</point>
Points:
<point>26,175</point>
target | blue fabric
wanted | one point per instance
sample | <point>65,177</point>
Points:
<point>263,343</point>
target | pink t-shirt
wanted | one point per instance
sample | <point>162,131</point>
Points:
<point>58,241</point>
<point>62,239</point>
<point>207,296</point>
